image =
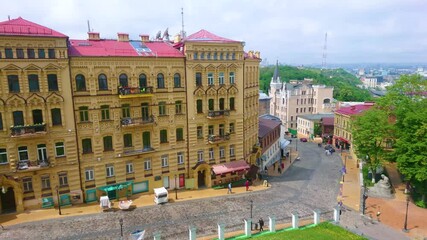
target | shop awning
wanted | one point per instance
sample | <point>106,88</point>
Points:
<point>117,186</point>
<point>292,131</point>
<point>230,167</point>
<point>284,143</point>
<point>342,139</point>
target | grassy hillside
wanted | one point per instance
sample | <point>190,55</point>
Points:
<point>343,82</point>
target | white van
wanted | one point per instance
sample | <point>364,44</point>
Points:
<point>160,195</point>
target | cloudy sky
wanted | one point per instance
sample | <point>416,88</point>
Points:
<point>291,31</point>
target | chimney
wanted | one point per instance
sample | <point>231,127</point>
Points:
<point>123,37</point>
<point>177,38</point>
<point>145,37</point>
<point>93,36</point>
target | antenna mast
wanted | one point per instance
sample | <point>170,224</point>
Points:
<point>88,26</point>
<point>182,30</point>
<point>324,51</point>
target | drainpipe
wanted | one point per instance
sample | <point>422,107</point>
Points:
<point>188,118</point>
<point>75,127</point>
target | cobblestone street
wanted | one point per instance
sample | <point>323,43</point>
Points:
<point>310,183</point>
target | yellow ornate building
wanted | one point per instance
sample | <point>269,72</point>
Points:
<point>38,155</point>
<point>131,115</point>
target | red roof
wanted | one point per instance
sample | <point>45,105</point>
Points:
<point>104,48</point>
<point>205,36</point>
<point>354,110</point>
<point>266,126</point>
<point>230,167</point>
<point>22,27</point>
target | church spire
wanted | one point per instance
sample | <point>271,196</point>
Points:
<point>276,77</point>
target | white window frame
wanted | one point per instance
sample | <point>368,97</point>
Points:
<point>231,150</point>
<point>129,167</point>
<point>27,183</point>
<point>19,155</point>
<point>210,79</point>
<point>180,157</point>
<point>211,154</point>
<point>200,156</point>
<point>89,174</point>
<point>221,78</point>
<point>232,78</point>
<point>221,152</point>
<point>58,147</point>
<point>5,154</point>
<point>164,160</point>
<point>63,179</point>
<point>109,170</point>
<point>147,164</point>
<point>45,181</point>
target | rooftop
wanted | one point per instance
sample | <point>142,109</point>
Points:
<point>22,27</point>
<point>104,47</point>
<point>354,110</point>
<point>267,125</point>
<point>316,116</point>
<point>328,121</point>
<point>205,36</point>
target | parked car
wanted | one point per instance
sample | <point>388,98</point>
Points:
<point>303,139</point>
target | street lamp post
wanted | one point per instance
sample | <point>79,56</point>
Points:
<point>176,189</point>
<point>252,203</point>
<point>405,226</point>
<point>364,197</point>
<point>59,201</point>
<point>121,226</point>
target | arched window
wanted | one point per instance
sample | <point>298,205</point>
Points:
<point>326,100</point>
<point>160,81</point>
<point>142,80</point>
<point>176,80</point>
<point>102,82</point>
<point>123,80</point>
<point>80,83</point>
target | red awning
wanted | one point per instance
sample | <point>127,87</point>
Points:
<point>342,139</point>
<point>230,167</point>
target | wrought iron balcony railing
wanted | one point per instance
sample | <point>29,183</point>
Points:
<point>28,130</point>
<point>218,138</point>
<point>137,121</point>
<point>32,165</point>
<point>220,113</point>
<point>130,92</point>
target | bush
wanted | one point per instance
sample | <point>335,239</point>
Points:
<point>421,204</point>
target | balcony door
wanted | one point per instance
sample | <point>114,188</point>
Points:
<point>18,118</point>
<point>42,152</point>
<point>145,114</point>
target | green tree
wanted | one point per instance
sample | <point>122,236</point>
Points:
<point>406,102</point>
<point>369,131</point>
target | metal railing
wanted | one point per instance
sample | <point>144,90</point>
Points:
<point>32,165</point>
<point>137,121</point>
<point>220,113</point>
<point>124,91</point>
<point>218,138</point>
<point>27,130</point>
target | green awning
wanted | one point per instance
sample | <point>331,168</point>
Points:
<point>292,131</point>
<point>117,186</point>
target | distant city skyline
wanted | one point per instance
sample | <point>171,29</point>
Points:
<point>292,32</point>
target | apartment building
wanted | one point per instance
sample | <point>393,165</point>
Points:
<point>37,132</point>
<point>288,100</point>
<point>118,116</point>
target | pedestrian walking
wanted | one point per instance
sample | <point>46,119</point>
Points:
<point>229,188</point>
<point>247,185</point>
<point>279,170</point>
<point>261,225</point>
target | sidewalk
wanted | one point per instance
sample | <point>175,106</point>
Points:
<point>392,211</point>
<point>139,200</point>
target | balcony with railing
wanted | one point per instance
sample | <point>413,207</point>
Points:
<point>218,114</point>
<point>28,165</point>
<point>129,122</point>
<point>28,130</point>
<point>214,139</point>
<point>133,151</point>
<point>135,92</point>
